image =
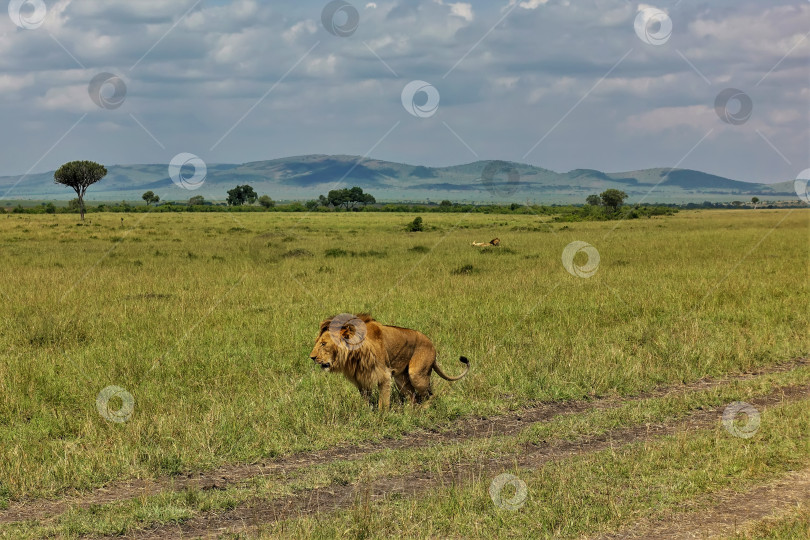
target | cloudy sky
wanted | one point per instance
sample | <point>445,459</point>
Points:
<point>605,84</point>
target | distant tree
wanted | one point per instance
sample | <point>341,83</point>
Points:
<point>737,203</point>
<point>347,198</point>
<point>249,194</point>
<point>323,201</point>
<point>241,195</point>
<point>613,198</point>
<point>196,200</point>
<point>755,200</point>
<point>338,198</point>
<point>79,175</point>
<point>312,205</point>
<point>266,201</point>
<point>593,200</point>
<point>445,204</point>
<point>356,194</point>
<point>49,208</point>
<point>150,197</point>
<point>73,205</point>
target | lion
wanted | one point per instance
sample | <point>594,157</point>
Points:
<point>493,242</point>
<point>369,354</point>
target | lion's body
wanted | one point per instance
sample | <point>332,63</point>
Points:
<point>382,352</point>
<point>493,242</point>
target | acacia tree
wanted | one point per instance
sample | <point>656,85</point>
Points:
<point>241,195</point>
<point>755,200</point>
<point>348,198</point>
<point>338,198</point>
<point>79,175</point>
<point>613,198</point>
<point>150,198</point>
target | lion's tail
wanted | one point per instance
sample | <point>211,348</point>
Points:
<point>462,359</point>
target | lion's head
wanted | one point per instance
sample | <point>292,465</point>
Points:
<point>325,351</point>
<point>338,336</point>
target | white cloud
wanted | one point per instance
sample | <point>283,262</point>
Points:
<point>299,29</point>
<point>72,98</point>
<point>765,35</point>
<point>13,82</point>
<point>505,82</point>
<point>322,66</point>
<point>459,9</point>
<point>530,4</point>
<point>201,76</point>
<point>462,10</point>
<point>699,118</point>
<point>642,7</point>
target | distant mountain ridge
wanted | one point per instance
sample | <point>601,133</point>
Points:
<point>306,177</point>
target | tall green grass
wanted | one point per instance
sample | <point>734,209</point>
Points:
<point>209,328</point>
<point>593,493</point>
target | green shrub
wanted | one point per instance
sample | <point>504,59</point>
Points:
<point>336,252</point>
<point>415,225</point>
<point>298,253</point>
<point>463,270</point>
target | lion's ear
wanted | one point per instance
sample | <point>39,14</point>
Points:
<point>325,325</point>
<point>348,332</point>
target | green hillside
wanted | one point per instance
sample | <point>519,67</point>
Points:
<point>305,177</point>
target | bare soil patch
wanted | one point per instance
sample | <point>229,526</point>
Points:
<point>729,512</point>
<point>507,424</point>
<point>331,498</point>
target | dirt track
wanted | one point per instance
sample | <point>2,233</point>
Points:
<point>331,498</point>
<point>728,513</point>
<point>508,424</point>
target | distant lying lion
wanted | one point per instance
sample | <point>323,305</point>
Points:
<point>369,353</point>
<point>493,242</point>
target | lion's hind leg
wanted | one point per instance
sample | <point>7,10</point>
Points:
<point>404,386</point>
<point>419,375</point>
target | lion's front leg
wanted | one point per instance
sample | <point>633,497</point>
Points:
<point>366,394</point>
<point>385,393</point>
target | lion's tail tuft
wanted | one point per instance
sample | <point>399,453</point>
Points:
<point>463,360</point>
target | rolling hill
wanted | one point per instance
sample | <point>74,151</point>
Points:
<point>306,177</point>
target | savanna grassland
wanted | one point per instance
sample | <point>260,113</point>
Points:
<point>602,394</point>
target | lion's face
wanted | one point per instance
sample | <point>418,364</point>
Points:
<point>324,351</point>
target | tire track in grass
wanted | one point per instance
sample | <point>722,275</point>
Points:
<point>729,512</point>
<point>221,477</point>
<point>252,515</point>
